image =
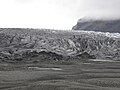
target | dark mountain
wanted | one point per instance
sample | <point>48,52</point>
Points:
<point>112,26</point>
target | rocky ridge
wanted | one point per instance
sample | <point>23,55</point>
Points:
<point>100,25</point>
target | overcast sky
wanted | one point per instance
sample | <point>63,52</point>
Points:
<point>56,14</point>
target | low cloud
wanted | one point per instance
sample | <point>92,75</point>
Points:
<point>58,14</point>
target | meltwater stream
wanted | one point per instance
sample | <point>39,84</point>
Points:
<point>38,68</point>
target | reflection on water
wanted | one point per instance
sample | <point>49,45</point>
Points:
<point>103,60</point>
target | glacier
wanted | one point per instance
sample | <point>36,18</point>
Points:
<point>15,42</point>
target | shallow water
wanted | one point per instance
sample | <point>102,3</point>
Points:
<point>38,68</point>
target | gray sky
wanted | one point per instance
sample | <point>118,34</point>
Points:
<point>57,14</point>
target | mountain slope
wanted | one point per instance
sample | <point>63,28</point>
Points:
<point>16,42</point>
<point>112,26</point>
